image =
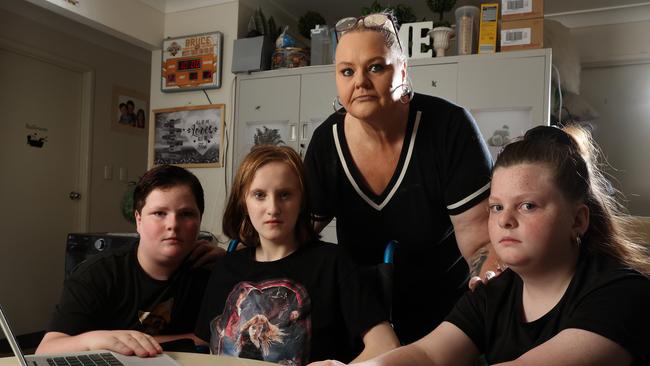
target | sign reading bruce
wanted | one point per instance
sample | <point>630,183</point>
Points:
<point>191,62</point>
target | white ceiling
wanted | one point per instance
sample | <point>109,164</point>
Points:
<point>336,9</point>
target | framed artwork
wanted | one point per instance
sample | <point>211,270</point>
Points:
<point>129,111</point>
<point>191,62</point>
<point>188,136</point>
<point>264,133</point>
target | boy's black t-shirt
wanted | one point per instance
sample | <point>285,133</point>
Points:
<point>111,292</point>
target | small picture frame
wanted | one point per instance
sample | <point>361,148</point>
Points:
<point>130,111</point>
<point>190,137</point>
<point>191,62</point>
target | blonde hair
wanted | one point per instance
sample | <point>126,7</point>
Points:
<point>388,35</point>
<point>270,333</point>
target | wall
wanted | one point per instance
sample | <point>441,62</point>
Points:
<point>43,32</point>
<point>132,21</point>
<point>615,80</point>
<point>222,18</point>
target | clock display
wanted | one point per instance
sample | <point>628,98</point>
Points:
<point>189,64</point>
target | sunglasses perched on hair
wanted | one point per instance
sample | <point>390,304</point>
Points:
<point>369,21</point>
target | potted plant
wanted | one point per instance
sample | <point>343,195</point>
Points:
<point>441,32</point>
<point>309,21</point>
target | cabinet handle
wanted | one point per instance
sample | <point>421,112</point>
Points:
<point>292,132</point>
<point>303,131</point>
<point>258,107</point>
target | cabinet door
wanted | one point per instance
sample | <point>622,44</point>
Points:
<point>267,113</point>
<point>439,80</point>
<point>317,92</point>
<point>505,84</point>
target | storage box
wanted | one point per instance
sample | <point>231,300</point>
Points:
<point>522,34</point>
<point>488,28</point>
<point>521,9</point>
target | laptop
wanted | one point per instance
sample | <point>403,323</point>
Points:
<point>98,357</point>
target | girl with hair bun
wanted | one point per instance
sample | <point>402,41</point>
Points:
<point>576,290</point>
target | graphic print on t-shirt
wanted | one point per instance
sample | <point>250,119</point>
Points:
<point>268,320</point>
<point>155,321</point>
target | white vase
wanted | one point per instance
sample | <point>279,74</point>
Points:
<point>441,36</point>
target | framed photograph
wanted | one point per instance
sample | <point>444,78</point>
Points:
<point>191,62</point>
<point>130,111</point>
<point>188,136</point>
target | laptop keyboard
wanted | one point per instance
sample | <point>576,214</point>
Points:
<point>95,359</point>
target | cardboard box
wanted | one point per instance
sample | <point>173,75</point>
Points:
<point>488,28</point>
<point>521,9</point>
<point>522,34</point>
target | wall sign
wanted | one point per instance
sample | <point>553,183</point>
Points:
<point>191,62</point>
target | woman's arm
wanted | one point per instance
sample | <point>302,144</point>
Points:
<point>471,230</point>
<point>379,339</point>
<point>575,347</point>
<point>127,342</point>
<point>445,345</point>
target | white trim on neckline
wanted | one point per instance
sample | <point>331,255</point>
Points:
<point>390,195</point>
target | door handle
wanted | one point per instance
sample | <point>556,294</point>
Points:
<point>75,196</point>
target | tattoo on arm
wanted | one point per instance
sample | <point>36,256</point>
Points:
<point>477,261</point>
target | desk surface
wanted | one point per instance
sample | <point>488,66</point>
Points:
<point>185,359</point>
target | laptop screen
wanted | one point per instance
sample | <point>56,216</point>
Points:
<point>9,334</point>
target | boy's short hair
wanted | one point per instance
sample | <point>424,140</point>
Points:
<point>166,176</point>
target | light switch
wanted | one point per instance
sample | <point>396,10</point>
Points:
<point>123,174</point>
<point>108,172</point>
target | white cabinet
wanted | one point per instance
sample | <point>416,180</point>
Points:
<point>440,80</point>
<point>506,92</point>
<point>266,111</point>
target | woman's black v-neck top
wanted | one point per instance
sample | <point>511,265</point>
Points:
<point>443,169</point>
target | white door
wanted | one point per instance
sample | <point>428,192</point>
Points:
<point>41,103</point>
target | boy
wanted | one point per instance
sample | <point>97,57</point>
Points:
<point>131,300</point>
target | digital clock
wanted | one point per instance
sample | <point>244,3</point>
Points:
<point>189,64</point>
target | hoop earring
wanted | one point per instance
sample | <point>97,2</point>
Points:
<point>407,94</point>
<point>337,109</point>
<point>407,91</point>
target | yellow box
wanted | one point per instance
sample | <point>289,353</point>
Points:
<point>522,34</point>
<point>521,9</point>
<point>488,29</point>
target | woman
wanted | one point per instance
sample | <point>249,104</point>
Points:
<point>394,165</point>
<point>307,292</point>
<point>577,290</point>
